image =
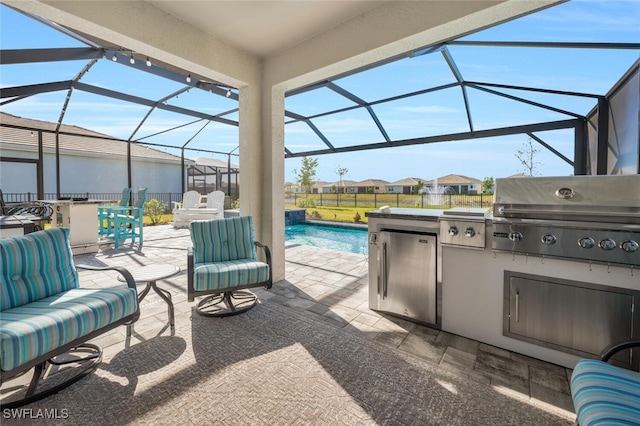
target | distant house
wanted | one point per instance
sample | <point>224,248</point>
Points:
<point>457,184</point>
<point>404,186</point>
<point>89,161</point>
<point>344,187</point>
<point>317,187</point>
<point>370,186</point>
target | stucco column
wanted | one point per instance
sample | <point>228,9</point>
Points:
<point>273,175</point>
<point>262,167</point>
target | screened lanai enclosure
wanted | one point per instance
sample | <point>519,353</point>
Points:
<point>448,92</point>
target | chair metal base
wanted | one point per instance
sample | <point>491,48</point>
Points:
<point>91,357</point>
<point>227,304</point>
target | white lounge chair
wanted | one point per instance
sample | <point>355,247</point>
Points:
<point>190,199</point>
<point>213,209</point>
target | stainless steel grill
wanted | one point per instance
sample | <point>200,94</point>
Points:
<point>587,218</point>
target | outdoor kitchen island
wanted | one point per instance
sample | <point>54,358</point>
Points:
<point>557,309</point>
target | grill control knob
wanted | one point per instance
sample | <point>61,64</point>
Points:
<point>469,232</point>
<point>549,239</point>
<point>587,242</point>
<point>629,246</point>
<point>607,244</point>
<point>453,231</point>
<point>515,236</point>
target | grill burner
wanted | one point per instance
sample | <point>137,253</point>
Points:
<point>588,218</point>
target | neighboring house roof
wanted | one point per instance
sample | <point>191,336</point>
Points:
<point>410,181</point>
<point>83,141</point>
<point>371,182</point>
<point>213,162</point>
<point>457,180</point>
<point>340,185</point>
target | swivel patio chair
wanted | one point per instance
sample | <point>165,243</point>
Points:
<point>604,393</point>
<point>34,211</point>
<point>223,264</point>
<point>105,214</point>
<point>46,318</point>
<point>127,221</point>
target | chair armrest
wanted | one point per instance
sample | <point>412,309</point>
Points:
<point>267,251</point>
<point>267,254</point>
<point>190,269</point>
<point>125,274</point>
<point>616,347</point>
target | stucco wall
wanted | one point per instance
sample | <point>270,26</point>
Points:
<point>80,174</point>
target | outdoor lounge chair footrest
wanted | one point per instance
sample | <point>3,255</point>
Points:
<point>92,355</point>
<point>227,304</point>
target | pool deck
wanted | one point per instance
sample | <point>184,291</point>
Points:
<point>331,288</point>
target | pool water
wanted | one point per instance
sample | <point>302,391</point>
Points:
<point>347,239</point>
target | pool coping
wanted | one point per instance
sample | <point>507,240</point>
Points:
<point>358,226</point>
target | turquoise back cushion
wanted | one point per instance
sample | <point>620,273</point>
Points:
<point>223,239</point>
<point>35,266</point>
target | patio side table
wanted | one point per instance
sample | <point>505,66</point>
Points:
<point>149,275</point>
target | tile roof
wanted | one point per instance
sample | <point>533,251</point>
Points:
<point>83,141</point>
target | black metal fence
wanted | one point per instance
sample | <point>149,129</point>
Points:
<point>422,201</point>
<point>107,197</point>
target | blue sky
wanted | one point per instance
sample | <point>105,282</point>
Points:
<point>588,71</point>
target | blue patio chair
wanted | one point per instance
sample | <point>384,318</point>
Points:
<point>44,313</point>
<point>605,394</point>
<point>223,264</point>
<point>105,214</point>
<point>127,221</point>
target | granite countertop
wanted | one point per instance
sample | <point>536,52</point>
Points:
<point>405,213</point>
<point>429,214</point>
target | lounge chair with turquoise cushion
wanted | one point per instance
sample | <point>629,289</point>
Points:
<point>604,394</point>
<point>223,264</point>
<point>44,313</point>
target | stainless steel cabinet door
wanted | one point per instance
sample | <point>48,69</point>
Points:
<point>408,275</point>
<point>570,316</point>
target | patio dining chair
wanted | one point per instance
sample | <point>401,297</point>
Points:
<point>105,214</point>
<point>223,264</point>
<point>128,221</point>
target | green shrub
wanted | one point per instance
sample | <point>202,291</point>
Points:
<point>357,218</point>
<point>307,203</point>
<point>154,209</point>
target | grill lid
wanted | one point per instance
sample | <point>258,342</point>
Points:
<point>612,199</point>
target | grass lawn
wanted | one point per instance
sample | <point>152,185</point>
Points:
<point>336,214</point>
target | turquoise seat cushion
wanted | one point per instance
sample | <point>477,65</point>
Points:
<point>29,331</point>
<point>222,240</point>
<point>35,266</point>
<point>604,394</point>
<point>229,274</point>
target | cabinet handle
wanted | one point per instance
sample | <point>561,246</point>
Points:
<point>517,307</point>
<point>384,270</point>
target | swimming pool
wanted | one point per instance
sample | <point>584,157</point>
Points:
<point>341,238</point>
